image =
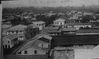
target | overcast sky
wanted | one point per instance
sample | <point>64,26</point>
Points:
<point>49,3</point>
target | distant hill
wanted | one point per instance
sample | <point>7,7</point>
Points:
<point>47,9</point>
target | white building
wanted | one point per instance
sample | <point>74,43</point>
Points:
<point>18,30</point>
<point>87,53</point>
<point>10,41</point>
<point>59,22</point>
<point>39,24</point>
<point>78,25</point>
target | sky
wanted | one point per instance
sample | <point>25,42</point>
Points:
<point>49,3</point>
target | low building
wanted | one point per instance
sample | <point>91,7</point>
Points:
<point>10,41</point>
<point>78,25</point>
<point>39,45</point>
<point>39,24</point>
<point>18,30</point>
<point>59,22</point>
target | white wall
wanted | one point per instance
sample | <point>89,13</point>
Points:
<point>82,53</point>
<point>5,43</point>
<point>86,53</point>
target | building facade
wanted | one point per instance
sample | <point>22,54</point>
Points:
<point>39,24</point>
<point>59,22</point>
<point>10,41</point>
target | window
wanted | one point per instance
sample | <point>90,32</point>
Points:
<point>20,32</point>
<point>11,32</point>
<point>25,52</point>
<point>21,36</point>
<point>8,41</point>
<point>7,33</point>
<point>41,45</point>
<point>19,52</point>
<point>8,46</point>
<point>35,51</point>
<point>5,46</point>
<point>61,23</point>
<point>14,32</point>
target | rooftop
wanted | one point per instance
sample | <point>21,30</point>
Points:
<point>38,22</point>
<point>51,29</point>
<point>43,39</point>
<point>78,24</point>
<point>6,26</point>
<point>68,29</point>
<point>88,30</point>
<point>17,27</point>
<point>11,37</point>
<point>60,19</point>
<point>75,40</point>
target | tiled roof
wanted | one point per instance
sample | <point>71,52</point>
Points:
<point>75,40</point>
<point>78,24</point>
<point>38,22</point>
<point>60,19</point>
<point>17,27</point>
<point>43,39</point>
<point>68,29</point>
<point>88,31</point>
<point>51,29</point>
<point>33,25</point>
<point>11,37</point>
<point>6,26</point>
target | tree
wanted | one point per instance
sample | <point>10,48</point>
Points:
<point>87,18</point>
<point>16,21</point>
<point>30,32</point>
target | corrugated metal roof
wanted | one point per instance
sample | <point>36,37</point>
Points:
<point>75,40</point>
